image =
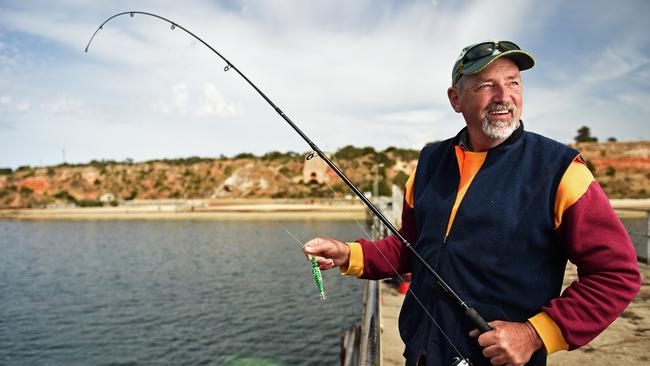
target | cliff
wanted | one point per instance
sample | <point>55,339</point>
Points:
<point>622,169</point>
<point>274,175</point>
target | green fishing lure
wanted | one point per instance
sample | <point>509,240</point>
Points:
<point>318,278</point>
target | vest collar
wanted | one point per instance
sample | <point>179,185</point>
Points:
<point>462,138</point>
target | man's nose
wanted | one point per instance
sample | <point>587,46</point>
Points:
<point>501,94</point>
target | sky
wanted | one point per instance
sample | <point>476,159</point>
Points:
<point>363,72</point>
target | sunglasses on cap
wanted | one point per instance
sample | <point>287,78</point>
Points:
<point>487,49</point>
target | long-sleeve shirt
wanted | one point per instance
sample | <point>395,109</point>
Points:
<point>585,224</point>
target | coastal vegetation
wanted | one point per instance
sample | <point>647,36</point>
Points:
<point>621,168</point>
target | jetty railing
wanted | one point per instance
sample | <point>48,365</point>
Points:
<point>361,343</point>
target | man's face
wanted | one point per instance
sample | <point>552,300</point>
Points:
<point>491,103</point>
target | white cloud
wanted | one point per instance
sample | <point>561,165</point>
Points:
<point>636,101</point>
<point>64,105</point>
<point>418,116</point>
<point>196,101</point>
<point>361,72</point>
<point>22,106</point>
<point>214,103</point>
<point>180,97</point>
<point>10,102</point>
<point>613,63</point>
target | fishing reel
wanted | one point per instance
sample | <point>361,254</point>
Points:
<point>460,362</point>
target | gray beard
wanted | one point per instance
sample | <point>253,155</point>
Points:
<point>499,130</point>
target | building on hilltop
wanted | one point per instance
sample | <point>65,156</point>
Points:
<point>316,171</point>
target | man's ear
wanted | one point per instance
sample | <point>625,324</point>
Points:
<point>454,99</point>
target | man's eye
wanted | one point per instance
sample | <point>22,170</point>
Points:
<point>484,86</point>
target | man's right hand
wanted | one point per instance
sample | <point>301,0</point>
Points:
<point>329,253</point>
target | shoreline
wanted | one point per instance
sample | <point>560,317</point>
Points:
<point>227,210</point>
<point>241,209</point>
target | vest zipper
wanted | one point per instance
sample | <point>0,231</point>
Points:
<point>441,252</point>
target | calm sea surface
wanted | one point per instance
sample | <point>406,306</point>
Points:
<point>169,293</point>
<point>172,293</point>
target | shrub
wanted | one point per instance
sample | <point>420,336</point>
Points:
<point>403,154</point>
<point>381,158</point>
<point>24,191</point>
<point>244,156</point>
<point>65,196</point>
<point>280,194</point>
<point>584,135</point>
<point>400,179</point>
<point>284,171</point>
<point>273,155</point>
<point>89,203</point>
<point>350,152</point>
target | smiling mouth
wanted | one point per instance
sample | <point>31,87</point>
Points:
<point>498,113</point>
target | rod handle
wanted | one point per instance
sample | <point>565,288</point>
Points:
<point>478,320</point>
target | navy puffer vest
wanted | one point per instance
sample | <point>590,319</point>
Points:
<point>501,256</point>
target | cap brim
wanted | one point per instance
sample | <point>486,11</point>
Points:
<point>522,59</point>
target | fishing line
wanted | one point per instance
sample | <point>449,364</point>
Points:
<point>471,314</point>
<point>318,278</point>
<point>404,282</point>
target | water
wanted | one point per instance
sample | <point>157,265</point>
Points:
<point>172,293</point>
<point>169,292</point>
<point>637,228</point>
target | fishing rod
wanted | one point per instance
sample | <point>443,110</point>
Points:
<point>469,311</point>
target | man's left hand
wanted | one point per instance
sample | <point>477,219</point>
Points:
<point>510,344</point>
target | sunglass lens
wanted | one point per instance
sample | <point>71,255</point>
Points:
<point>508,46</point>
<point>478,51</point>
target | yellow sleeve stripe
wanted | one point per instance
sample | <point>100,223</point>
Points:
<point>549,332</point>
<point>355,264</point>
<point>408,195</point>
<point>574,184</point>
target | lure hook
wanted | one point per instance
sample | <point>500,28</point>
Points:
<point>226,68</point>
<point>311,155</point>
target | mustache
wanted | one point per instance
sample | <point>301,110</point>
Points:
<point>498,107</point>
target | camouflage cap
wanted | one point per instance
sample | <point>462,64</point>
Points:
<point>476,57</point>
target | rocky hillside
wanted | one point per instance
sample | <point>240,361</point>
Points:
<point>274,175</point>
<point>622,168</point>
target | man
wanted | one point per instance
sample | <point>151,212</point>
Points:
<point>497,211</point>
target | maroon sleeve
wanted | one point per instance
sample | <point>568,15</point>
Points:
<point>608,272</point>
<point>384,257</point>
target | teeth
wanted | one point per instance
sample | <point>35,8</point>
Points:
<point>498,112</point>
